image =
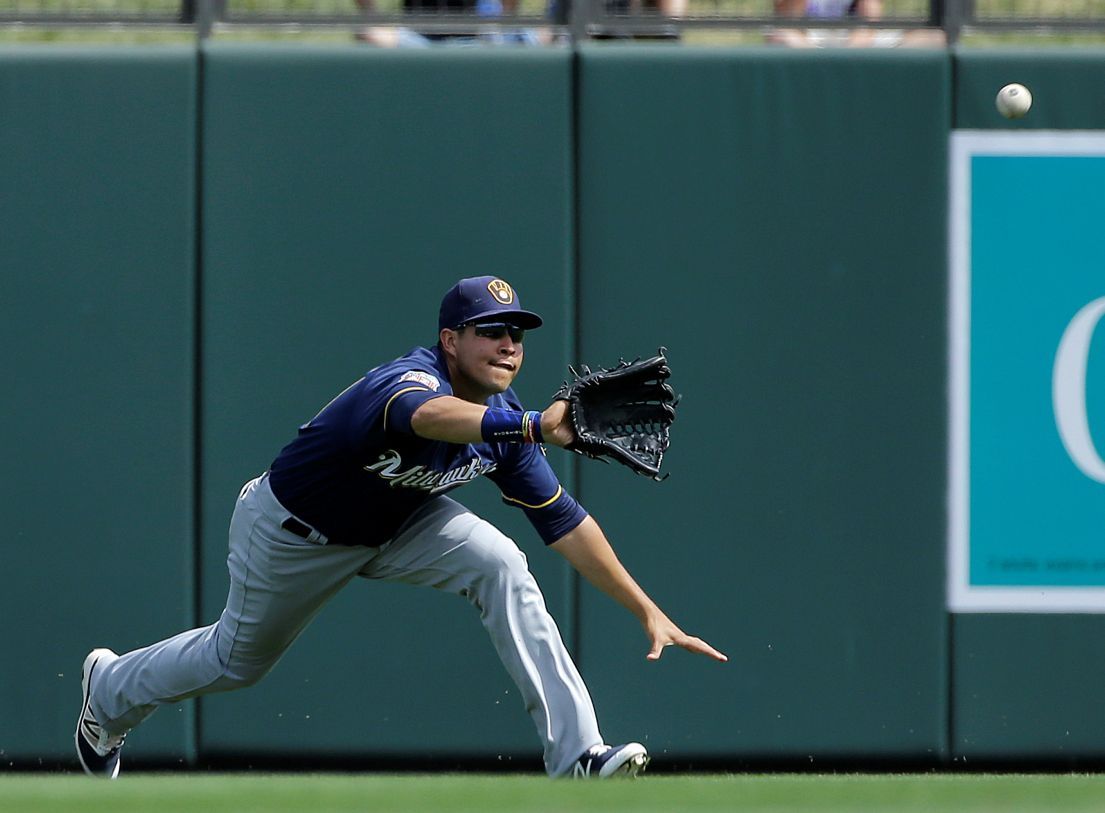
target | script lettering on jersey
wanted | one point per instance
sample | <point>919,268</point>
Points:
<point>390,468</point>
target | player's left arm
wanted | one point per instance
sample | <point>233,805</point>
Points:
<point>588,551</point>
<point>450,419</point>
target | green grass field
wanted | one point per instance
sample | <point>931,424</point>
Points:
<point>446,793</point>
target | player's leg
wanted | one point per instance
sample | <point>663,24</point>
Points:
<point>278,583</point>
<point>447,547</point>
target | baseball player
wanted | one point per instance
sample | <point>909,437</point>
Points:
<point>361,491</point>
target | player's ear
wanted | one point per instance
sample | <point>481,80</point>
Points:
<point>448,339</point>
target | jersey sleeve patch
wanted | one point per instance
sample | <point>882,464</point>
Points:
<point>419,377</point>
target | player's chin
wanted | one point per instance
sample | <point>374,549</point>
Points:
<point>500,378</point>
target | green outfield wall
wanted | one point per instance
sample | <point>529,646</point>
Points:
<point>199,248</point>
<point>97,236</point>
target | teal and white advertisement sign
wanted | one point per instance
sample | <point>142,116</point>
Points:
<point>1027,372</point>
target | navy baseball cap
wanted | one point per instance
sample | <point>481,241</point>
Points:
<point>484,299</point>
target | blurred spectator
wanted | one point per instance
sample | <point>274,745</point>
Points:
<point>846,37</point>
<point>402,37</point>
<point>558,10</point>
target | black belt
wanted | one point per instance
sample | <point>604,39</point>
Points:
<point>296,527</point>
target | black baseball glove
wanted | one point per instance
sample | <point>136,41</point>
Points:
<point>622,413</point>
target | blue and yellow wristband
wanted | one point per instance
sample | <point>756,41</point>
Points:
<point>508,426</point>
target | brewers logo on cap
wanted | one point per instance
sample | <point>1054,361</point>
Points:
<point>502,292</point>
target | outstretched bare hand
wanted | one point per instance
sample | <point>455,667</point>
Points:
<point>664,633</point>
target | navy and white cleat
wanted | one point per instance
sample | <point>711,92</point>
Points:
<point>604,761</point>
<point>97,750</point>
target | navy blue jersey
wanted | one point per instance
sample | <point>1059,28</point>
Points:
<point>357,471</point>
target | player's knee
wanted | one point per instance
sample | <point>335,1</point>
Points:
<point>241,661</point>
<point>497,563</point>
<point>242,676</point>
<point>247,667</point>
<point>513,566</point>
<point>506,563</point>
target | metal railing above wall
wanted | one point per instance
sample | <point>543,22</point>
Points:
<point>544,21</point>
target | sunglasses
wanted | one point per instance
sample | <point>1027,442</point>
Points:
<point>496,331</point>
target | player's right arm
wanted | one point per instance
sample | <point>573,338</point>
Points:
<point>588,551</point>
<point>453,420</point>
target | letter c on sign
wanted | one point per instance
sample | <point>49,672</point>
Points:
<point>1068,390</point>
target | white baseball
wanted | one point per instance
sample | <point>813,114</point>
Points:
<point>1013,101</point>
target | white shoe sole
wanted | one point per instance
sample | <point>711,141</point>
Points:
<point>631,763</point>
<point>87,669</point>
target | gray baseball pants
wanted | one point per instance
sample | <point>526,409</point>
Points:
<point>280,581</point>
